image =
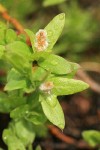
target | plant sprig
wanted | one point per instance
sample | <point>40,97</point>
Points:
<point>35,78</point>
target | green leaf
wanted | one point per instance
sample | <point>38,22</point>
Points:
<point>64,86</point>
<point>52,2</point>
<point>42,132</point>
<point>24,111</point>
<point>4,103</point>
<point>19,62</point>
<point>56,64</point>
<point>54,29</point>
<point>51,99</point>
<point>38,148</point>
<point>14,85</point>
<point>2,36</point>
<point>11,36</point>
<point>15,81</point>
<point>3,25</point>
<point>30,87</point>
<point>38,74</point>
<point>12,141</point>
<point>3,28</point>
<point>31,36</point>
<point>13,74</point>
<point>37,118</point>
<point>20,112</point>
<point>92,137</point>
<point>2,49</point>
<point>22,37</point>
<point>40,55</point>
<point>25,132</point>
<point>54,114</point>
<point>19,48</point>
<point>8,103</point>
<point>74,66</point>
<point>33,100</point>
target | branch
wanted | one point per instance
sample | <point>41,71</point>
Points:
<point>61,136</point>
<point>91,66</point>
<point>13,21</point>
<point>84,76</point>
<point>67,139</point>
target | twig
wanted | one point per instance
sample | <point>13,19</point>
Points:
<point>91,66</point>
<point>93,85</point>
<point>61,136</point>
<point>69,140</point>
<point>13,21</point>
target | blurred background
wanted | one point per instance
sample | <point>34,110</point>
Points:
<point>80,43</point>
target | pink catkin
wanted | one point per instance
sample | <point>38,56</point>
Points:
<point>47,86</point>
<point>41,42</point>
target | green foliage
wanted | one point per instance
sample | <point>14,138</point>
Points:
<point>2,48</point>
<point>34,80</point>
<point>54,30</point>
<point>12,141</point>
<point>10,101</point>
<point>19,135</point>
<point>57,117</point>
<point>52,2</point>
<point>10,36</point>
<point>38,148</point>
<point>65,86</point>
<point>24,132</point>
<point>56,64</point>
<point>92,137</point>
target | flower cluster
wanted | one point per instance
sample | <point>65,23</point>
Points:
<point>41,42</point>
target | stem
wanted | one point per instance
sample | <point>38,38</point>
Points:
<point>4,13</point>
<point>7,17</point>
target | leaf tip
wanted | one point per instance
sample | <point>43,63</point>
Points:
<point>86,85</point>
<point>62,16</point>
<point>61,126</point>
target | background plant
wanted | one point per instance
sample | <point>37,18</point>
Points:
<point>92,137</point>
